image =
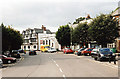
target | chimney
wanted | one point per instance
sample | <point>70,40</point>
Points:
<point>44,28</point>
<point>88,17</point>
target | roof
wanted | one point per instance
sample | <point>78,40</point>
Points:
<point>116,12</point>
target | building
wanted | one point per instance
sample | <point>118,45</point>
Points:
<point>116,14</point>
<point>30,37</point>
<point>91,44</point>
<point>48,39</point>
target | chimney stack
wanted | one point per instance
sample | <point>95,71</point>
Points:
<point>44,28</point>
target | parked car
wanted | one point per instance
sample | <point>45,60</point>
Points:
<point>7,60</point>
<point>51,50</point>
<point>32,52</point>
<point>1,63</point>
<point>21,51</point>
<point>104,53</point>
<point>76,51</point>
<point>87,51</point>
<point>79,51</point>
<point>15,53</point>
<point>94,52</point>
<point>68,50</point>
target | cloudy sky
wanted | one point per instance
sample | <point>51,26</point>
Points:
<point>22,14</point>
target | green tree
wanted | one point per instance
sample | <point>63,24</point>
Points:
<point>63,35</point>
<point>103,29</point>
<point>11,39</point>
<point>80,34</point>
<point>78,20</point>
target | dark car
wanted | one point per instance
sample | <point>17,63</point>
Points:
<point>79,51</point>
<point>32,52</point>
<point>104,54</point>
<point>15,53</point>
<point>21,51</point>
<point>7,60</point>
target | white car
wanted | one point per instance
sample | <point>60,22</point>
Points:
<point>51,50</point>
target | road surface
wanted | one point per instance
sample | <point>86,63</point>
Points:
<point>60,65</point>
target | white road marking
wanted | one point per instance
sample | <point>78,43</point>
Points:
<point>54,61</point>
<point>60,70</point>
<point>64,76</point>
<point>57,65</point>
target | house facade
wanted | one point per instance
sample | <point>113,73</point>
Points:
<point>30,37</point>
<point>48,39</point>
<point>116,14</point>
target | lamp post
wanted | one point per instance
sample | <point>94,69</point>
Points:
<point>70,34</point>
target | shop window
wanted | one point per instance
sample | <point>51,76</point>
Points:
<point>43,42</point>
<point>49,42</point>
<point>52,44</point>
<point>28,47</point>
<point>24,47</point>
<point>46,42</point>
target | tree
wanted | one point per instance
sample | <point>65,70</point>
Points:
<point>63,35</point>
<point>78,20</point>
<point>11,39</point>
<point>80,34</point>
<point>103,29</point>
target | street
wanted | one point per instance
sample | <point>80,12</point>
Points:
<point>60,65</point>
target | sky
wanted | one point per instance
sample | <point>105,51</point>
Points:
<point>23,14</point>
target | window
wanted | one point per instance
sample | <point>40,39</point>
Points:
<point>24,47</point>
<point>26,36</point>
<point>43,42</point>
<point>33,39</point>
<point>26,41</point>
<point>34,46</point>
<point>52,44</point>
<point>46,42</point>
<point>28,47</point>
<point>49,42</point>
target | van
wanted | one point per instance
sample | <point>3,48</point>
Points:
<point>44,48</point>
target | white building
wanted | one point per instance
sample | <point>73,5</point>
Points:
<point>30,37</point>
<point>48,39</point>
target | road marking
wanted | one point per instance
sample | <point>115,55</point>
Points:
<point>57,65</point>
<point>60,70</point>
<point>54,61</point>
<point>64,76</point>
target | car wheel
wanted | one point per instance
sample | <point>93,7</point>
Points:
<point>95,58</point>
<point>9,61</point>
<point>98,58</point>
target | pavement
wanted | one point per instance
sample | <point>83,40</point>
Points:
<point>60,65</point>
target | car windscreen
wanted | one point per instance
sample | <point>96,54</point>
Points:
<point>82,49</point>
<point>105,51</point>
<point>94,50</point>
<point>47,46</point>
<point>69,48</point>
